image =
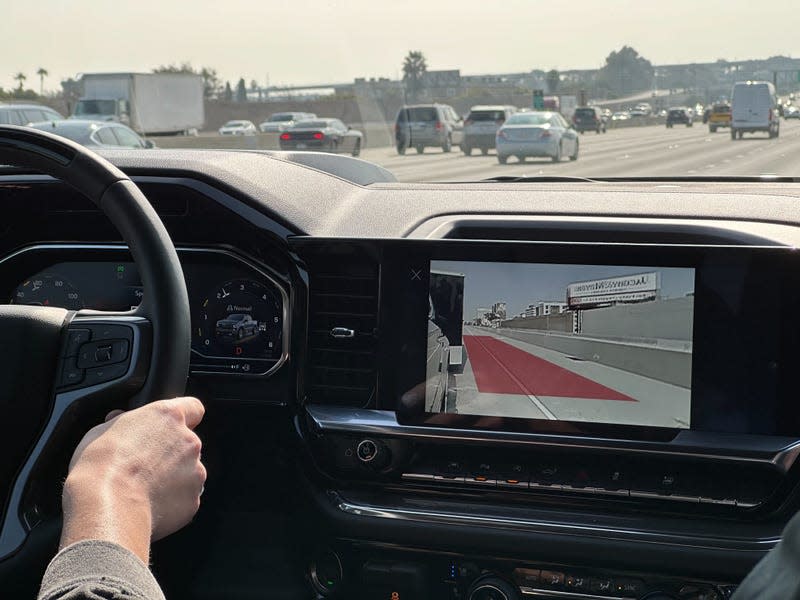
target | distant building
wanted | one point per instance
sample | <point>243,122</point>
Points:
<point>438,84</point>
<point>482,316</point>
<point>499,309</point>
<point>544,308</point>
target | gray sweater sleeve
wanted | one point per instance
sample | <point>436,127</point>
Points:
<point>777,576</point>
<point>98,570</point>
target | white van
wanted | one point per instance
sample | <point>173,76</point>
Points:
<point>754,107</point>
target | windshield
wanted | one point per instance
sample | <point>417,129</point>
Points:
<point>423,85</point>
<point>95,107</point>
<point>418,114</point>
<point>310,124</point>
<point>529,119</point>
<point>486,115</point>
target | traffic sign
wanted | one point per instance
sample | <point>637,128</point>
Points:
<point>538,99</point>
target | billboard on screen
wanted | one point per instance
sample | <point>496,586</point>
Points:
<point>628,288</point>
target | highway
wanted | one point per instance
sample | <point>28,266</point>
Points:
<point>625,152</point>
<point>507,377</point>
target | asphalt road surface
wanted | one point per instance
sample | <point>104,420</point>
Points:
<point>628,152</point>
<point>507,377</point>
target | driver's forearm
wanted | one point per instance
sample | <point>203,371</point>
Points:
<point>106,508</point>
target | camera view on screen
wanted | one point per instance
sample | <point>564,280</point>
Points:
<point>597,343</point>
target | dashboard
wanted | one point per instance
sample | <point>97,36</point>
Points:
<point>478,391</point>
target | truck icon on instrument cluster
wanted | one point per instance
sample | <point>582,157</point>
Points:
<point>236,326</point>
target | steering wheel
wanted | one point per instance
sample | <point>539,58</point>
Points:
<point>70,363</point>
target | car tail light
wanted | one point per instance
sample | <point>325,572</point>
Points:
<point>770,114</point>
<point>319,136</point>
<point>467,122</point>
<point>502,135</point>
<point>286,136</point>
<point>438,125</point>
<point>546,134</point>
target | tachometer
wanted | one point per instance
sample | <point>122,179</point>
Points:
<point>48,289</point>
<point>242,320</point>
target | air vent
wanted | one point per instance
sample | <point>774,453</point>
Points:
<point>343,325</point>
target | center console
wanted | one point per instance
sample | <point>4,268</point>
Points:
<point>615,393</point>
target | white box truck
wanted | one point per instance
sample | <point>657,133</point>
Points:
<point>149,103</point>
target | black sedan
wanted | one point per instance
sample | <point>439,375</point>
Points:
<point>679,116</point>
<point>322,135</point>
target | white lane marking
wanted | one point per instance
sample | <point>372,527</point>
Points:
<point>538,403</point>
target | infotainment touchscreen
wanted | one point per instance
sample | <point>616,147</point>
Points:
<point>604,344</point>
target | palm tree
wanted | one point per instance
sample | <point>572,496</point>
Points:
<point>414,67</point>
<point>42,73</point>
<point>21,77</point>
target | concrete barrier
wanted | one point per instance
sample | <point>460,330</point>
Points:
<point>376,135</point>
<point>670,319</point>
<point>637,122</point>
<point>664,364</point>
<point>260,141</point>
<point>557,323</point>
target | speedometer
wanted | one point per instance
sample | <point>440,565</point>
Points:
<point>47,289</point>
<point>239,319</point>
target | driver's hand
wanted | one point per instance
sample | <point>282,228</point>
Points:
<point>138,474</point>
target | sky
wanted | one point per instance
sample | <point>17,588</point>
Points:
<point>519,284</point>
<point>307,41</point>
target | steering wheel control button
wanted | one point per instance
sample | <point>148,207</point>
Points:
<point>70,373</point>
<point>101,331</point>
<point>103,354</point>
<point>94,354</point>
<point>75,339</point>
<point>103,374</point>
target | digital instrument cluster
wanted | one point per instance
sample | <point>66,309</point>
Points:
<point>238,308</point>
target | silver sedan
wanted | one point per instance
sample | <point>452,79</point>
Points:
<point>541,134</point>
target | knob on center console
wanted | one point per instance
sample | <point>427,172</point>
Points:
<point>492,588</point>
<point>372,453</point>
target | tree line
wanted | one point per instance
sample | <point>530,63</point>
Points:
<point>19,92</point>
<point>624,72</point>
